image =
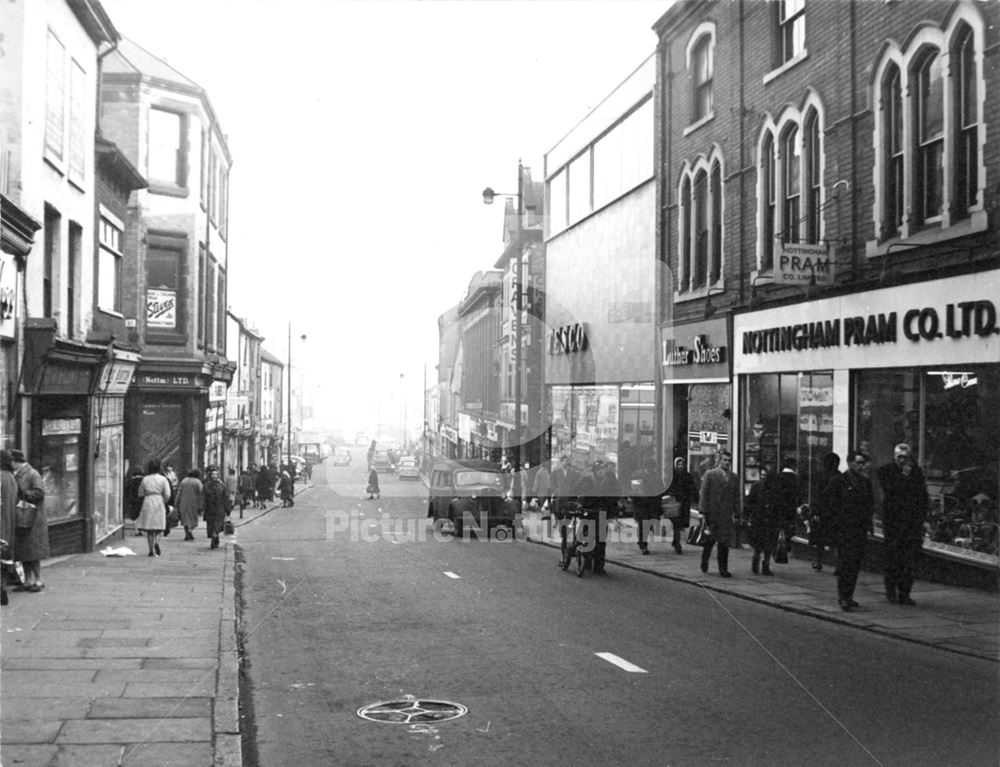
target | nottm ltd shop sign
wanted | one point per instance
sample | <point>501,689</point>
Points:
<point>948,320</point>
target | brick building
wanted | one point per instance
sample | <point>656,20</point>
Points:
<point>829,223</point>
<point>165,125</point>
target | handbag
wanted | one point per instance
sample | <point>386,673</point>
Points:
<point>670,507</point>
<point>24,515</point>
<point>228,528</point>
<point>781,550</point>
<point>173,518</point>
<point>698,534</point>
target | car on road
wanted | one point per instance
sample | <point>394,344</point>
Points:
<point>382,462</point>
<point>341,456</point>
<point>407,468</point>
<point>469,492</point>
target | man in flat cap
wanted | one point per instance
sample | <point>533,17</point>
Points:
<point>904,509</point>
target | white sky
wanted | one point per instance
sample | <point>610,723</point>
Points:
<point>362,135</point>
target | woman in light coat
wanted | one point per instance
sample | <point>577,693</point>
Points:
<point>189,502</point>
<point>155,492</point>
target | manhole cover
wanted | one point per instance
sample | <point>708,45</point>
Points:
<point>412,711</point>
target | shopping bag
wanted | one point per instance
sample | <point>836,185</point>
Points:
<point>781,550</point>
<point>24,515</point>
<point>228,528</point>
<point>173,517</point>
<point>698,534</point>
<point>670,507</point>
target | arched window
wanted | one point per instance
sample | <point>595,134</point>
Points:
<point>715,265</point>
<point>892,122</point>
<point>700,228</point>
<point>701,78</point>
<point>966,179</point>
<point>769,209</point>
<point>791,188</point>
<point>928,112</point>
<point>699,269</point>
<point>813,177</point>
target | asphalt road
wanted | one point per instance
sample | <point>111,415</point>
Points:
<point>351,602</point>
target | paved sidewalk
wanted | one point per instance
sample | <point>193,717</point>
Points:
<point>947,617</point>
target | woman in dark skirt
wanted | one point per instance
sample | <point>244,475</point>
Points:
<point>217,504</point>
<point>685,491</point>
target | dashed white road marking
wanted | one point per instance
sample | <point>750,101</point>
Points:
<point>450,574</point>
<point>620,662</point>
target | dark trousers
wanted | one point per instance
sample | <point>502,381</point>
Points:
<point>849,556</point>
<point>646,526</point>
<point>722,555</point>
<point>900,555</point>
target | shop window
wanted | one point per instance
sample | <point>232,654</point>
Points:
<point>708,425</point>
<point>788,415</point>
<point>949,417</point>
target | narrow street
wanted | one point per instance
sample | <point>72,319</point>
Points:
<point>628,669</point>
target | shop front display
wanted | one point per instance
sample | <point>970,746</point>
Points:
<point>915,363</point>
<point>695,370</point>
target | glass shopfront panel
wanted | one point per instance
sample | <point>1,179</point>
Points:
<point>637,428</point>
<point>787,415</point>
<point>59,466</point>
<point>950,416</point>
<point>108,481</point>
<point>585,423</point>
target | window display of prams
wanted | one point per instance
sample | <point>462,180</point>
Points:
<point>961,517</point>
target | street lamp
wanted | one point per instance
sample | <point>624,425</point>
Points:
<point>488,196</point>
<point>289,414</point>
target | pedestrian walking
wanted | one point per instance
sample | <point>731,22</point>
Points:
<point>189,502</point>
<point>785,500</point>
<point>850,518</point>
<point>904,510</point>
<point>216,504</point>
<point>373,489</point>
<point>156,494</point>
<point>31,543</point>
<point>646,493</point>
<point>8,502</point>
<point>820,511</point>
<point>720,505</point>
<point>247,488</point>
<point>684,490</point>
<point>541,487</point>
<point>599,495</point>
<point>133,502</point>
<point>171,474</point>
<point>286,487</point>
<point>264,484</point>
<point>763,523</point>
<point>232,486</point>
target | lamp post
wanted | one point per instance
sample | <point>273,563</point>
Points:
<point>289,415</point>
<point>488,196</point>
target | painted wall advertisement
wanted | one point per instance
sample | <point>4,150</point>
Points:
<point>161,308</point>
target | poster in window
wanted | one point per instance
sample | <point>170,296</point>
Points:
<point>161,308</point>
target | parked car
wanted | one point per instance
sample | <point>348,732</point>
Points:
<point>382,461</point>
<point>469,492</point>
<point>407,468</point>
<point>341,457</point>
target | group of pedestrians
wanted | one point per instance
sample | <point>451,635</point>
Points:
<point>841,516</point>
<point>23,522</point>
<point>157,504</point>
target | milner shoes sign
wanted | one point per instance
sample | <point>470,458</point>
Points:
<point>942,321</point>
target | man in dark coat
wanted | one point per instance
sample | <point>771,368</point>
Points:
<point>851,506</point>
<point>599,495</point>
<point>646,493</point>
<point>785,498</point>
<point>904,509</point>
<point>763,524</point>
<point>217,504</point>
<point>720,505</point>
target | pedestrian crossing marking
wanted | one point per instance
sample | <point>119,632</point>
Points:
<point>620,662</point>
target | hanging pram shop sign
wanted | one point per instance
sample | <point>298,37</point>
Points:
<point>926,322</point>
<point>799,263</point>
